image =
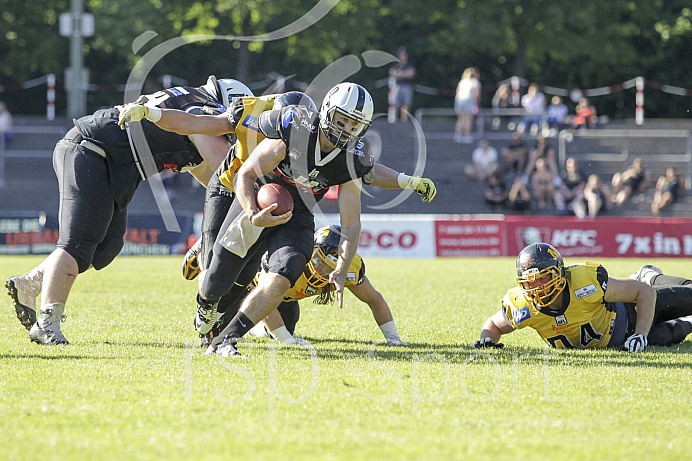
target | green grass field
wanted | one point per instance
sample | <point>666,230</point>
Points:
<point>134,384</point>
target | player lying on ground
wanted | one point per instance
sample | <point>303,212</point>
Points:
<point>313,283</point>
<point>580,306</point>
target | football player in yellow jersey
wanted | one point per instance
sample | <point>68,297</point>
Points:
<point>314,282</point>
<point>581,306</point>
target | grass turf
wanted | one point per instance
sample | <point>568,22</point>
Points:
<point>134,384</point>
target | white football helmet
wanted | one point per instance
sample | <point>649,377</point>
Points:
<point>226,90</point>
<point>349,100</point>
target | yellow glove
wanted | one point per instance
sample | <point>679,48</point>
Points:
<point>423,187</point>
<point>134,112</point>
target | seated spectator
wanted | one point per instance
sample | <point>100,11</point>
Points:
<point>596,196</point>
<point>496,192</point>
<point>668,189</point>
<point>570,189</point>
<point>543,183</point>
<point>585,115</point>
<point>484,164</point>
<point>515,156</point>
<point>534,104</point>
<point>555,115</point>
<point>502,100</point>
<point>5,125</point>
<point>542,150</point>
<point>519,198</point>
<point>633,180</point>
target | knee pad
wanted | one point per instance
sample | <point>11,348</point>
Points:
<point>669,332</point>
<point>106,252</point>
<point>83,253</point>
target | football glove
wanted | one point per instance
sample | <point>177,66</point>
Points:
<point>423,187</point>
<point>487,342</point>
<point>394,340</point>
<point>135,112</point>
<point>635,343</point>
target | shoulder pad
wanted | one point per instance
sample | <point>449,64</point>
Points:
<point>269,123</point>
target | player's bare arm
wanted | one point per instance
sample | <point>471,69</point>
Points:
<point>386,178</point>
<point>496,326</point>
<point>264,159</point>
<point>632,291</point>
<point>349,212</point>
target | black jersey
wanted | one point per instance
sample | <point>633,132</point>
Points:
<point>170,151</point>
<point>305,166</point>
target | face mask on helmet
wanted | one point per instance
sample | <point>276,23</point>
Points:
<point>541,273</point>
<point>294,98</point>
<point>227,90</point>
<point>324,256</point>
<point>346,114</point>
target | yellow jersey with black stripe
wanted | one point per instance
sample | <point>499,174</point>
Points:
<point>302,289</point>
<point>243,115</point>
<point>584,320</point>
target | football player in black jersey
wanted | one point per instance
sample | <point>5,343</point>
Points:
<point>580,306</point>
<point>99,169</point>
<point>307,153</point>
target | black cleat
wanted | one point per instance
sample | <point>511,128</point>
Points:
<point>25,314</point>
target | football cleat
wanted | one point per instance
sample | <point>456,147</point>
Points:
<point>46,330</point>
<point>24,289</point>
<point>191,267</point>
<point>225,349</point>
<point>206,317</point>
<point>394,340</point>
<point>207,338</point>
<point>646,273</point>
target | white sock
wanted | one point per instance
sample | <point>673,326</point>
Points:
<point>389,329</point>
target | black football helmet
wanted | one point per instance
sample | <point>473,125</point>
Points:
<point>324,255</point>
<point>294,98</point>
<point>536,262</point>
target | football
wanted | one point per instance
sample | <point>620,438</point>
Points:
<point>274,193</point>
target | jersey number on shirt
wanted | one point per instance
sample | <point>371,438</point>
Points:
<point>587,336</point>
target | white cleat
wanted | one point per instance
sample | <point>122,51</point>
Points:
<point>646,273</point>
<point>24,289</point>
<point>47,329</point>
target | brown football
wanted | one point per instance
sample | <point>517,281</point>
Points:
<point>274,193</point>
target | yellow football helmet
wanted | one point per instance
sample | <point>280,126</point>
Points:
<point>543,263</point>
<point>324,256</point>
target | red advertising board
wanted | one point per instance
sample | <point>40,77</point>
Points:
<point>468,236</point>
<point>604,236</point>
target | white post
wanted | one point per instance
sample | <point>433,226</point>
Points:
<point>639,101</point>
<point>391,99</point>
<point>50,97</point>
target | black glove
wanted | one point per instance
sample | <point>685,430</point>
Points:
<point>487,342</point>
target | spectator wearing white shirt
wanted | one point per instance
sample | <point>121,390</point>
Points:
<point>484,164</point>
<point>534,104</point>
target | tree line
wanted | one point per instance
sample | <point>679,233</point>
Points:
<point>560,43</point>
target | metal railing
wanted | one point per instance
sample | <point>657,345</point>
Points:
<point>26,153</point>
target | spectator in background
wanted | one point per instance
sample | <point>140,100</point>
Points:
<point>403,71</point>
<point>534,104</point>
<point>484,164</point>
<point>495,192</point>
<point>634,179</point>
<point>555,115</point>
<point>5,125</point>
<point>569,194</point>
<point>466,104</point>
<point>585,115</point>
<point>543,183</point>
<point>596,196</point>
<point>502,100</point>
<point>515,156</point>
<point>519,198</point>
<point>668,189</point>
<point>541,150</point>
